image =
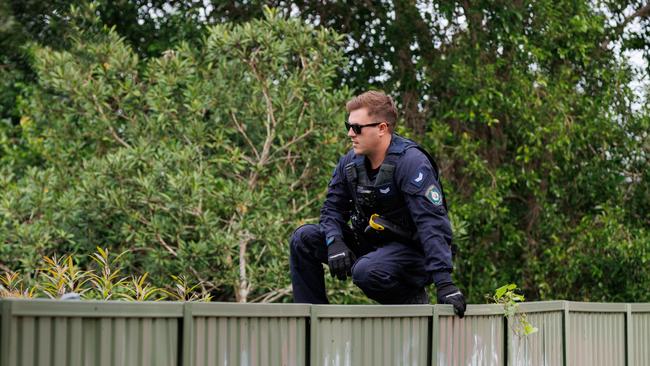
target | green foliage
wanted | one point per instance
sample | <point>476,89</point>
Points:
<point>535,133</point>
<point>507,297</point>
<point>202,163</point>
<point>607,258</point>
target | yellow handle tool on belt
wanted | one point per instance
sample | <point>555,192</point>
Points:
<point>375,225</point>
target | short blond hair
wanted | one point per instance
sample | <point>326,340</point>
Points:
<point>378,104</point>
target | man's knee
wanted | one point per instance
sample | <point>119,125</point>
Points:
<point>372,276</point>
<point>305,235</point>
<point>307,243</point>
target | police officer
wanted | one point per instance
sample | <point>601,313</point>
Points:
<point>399,240</point>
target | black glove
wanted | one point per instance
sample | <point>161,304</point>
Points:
<point>340,259</point>
<point>450,294</point>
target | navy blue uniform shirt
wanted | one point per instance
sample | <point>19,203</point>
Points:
<point>418,183</point>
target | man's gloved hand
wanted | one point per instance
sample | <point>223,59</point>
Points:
<point>340,258</point>
<point>448,293</point>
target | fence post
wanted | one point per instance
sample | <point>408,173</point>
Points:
<point>8,341</point>
<point>187,335</point>
<point>435,335</point>
<point>5,331</point>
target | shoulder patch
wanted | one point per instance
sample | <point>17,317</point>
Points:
<point>433,194</point>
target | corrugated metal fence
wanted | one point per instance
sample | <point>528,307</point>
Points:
<point>71,333</point>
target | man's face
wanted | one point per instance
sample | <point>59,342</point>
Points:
<point>367,141</point>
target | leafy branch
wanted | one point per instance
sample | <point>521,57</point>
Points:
<point>506,296</point>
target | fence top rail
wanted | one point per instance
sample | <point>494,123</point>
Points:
<point>371,311</point>
<point>597,307</point>
<point>541,306</point>
<point>101,308</point>
<point>471,310</point>
<point>248,310</point>
<point>93,308</point>
<point>640,307</point>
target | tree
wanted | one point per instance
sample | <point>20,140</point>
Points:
<point>537,135</point>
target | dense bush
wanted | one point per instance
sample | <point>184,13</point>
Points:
<point>199,162</point>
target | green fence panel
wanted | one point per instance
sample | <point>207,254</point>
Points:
<point>639,334</point>
<point>370,335</point>
<point>71,333</point>
<point>245,334</point>
<point>546,346</point>
<point>595,334</point>
<point>477,339</point>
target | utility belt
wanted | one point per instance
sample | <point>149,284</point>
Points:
<point>379,230</point>
<point>382,225</point>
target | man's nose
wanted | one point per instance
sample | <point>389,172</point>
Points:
<point>351,133</point>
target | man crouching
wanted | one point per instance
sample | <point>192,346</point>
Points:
<point>399,240</point>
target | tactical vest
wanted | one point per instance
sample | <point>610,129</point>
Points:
<point>383,196</point>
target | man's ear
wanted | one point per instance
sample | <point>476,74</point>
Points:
<point>383,128</point>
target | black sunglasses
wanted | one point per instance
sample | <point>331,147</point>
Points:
<point>357,128</point>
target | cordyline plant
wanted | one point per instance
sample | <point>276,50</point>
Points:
<point>108,281</point>
<point>11,285</point>
<point>59,276</point>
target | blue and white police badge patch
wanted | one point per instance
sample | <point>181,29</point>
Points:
<point>433,194</point>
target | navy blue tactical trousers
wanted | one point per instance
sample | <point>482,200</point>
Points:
<point>389,274</point>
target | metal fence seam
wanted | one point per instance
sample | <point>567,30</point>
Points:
<point>628,335</point>
<point>313,337</point>
<point>565,333</point>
